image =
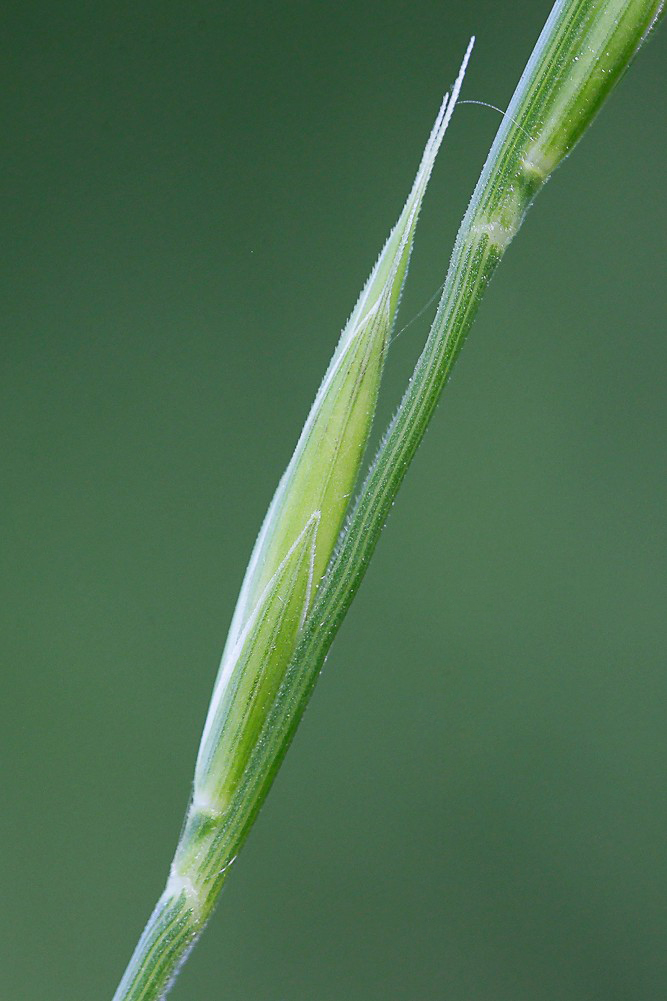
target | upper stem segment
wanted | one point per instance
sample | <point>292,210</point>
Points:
<point>584,49</point>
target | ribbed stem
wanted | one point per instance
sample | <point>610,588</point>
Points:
<point>171,932</point>
<point>582,52</point>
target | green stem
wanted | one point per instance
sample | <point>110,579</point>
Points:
<point>582,52</point>
<point>584,49</point>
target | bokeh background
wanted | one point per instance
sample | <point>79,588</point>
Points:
<point>474,807</point>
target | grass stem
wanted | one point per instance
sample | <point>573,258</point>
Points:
<point>584,49</point>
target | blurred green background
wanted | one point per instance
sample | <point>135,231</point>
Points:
<point>474,807</point>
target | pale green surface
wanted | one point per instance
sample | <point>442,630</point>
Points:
<point>244,736</point>
<point>488,823</point>
<point>306,514</point>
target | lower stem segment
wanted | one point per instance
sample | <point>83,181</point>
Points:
<point>207,848</point>
<point>171,932</point>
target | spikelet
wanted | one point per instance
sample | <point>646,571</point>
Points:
<point>306,514</point>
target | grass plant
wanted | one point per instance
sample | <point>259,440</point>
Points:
<point>316,543</point>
